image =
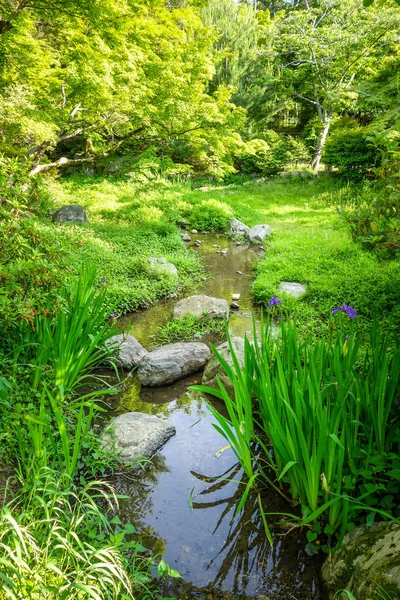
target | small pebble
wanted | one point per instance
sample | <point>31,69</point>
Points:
<point>262,248</point>
<point>216,246</point>
<point>186,237</point>
<point>234,306</point>
<point>198,241</point>
<point>194,231</point>
<point>239,272</point>
<point>238,243</point>
<point>224,251</point>
<point>235,296</point>
<point>218,251</point>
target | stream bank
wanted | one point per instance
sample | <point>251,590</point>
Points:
<point>184,505</point>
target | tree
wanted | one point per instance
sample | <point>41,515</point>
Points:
<point>76,87</point>
<point>324,52</point>
<point>235,47</point>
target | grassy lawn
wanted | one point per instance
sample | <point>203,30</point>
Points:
<point>130,222</point>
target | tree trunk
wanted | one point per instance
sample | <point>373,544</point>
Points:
<point>321,143</point>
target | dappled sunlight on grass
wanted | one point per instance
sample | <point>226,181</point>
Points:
<point>309,245</point>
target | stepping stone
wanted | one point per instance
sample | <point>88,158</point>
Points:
<point>186,237</point>
<point>161,265</point>
<point>172,362</point>
<point>258,233</point>
<point>238,228</point>
<point>70,213</point>
<point>199,305</point>
<point>234,306</point>
<point>235,296</point>
<point>127,351</point>
<point>135,435</point>
<point>292,289</point>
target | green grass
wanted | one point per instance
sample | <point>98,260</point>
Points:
<point>309,244</point>
<point>188,329</point>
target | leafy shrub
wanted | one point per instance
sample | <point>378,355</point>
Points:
<point>375,221</point>
<point>270,154</point>
<point>210,215</point>
<point>349,150</point>
<point>263,156</point>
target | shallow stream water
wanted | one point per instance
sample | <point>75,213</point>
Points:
<point>184,505</point>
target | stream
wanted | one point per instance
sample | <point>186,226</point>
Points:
<point>184,505</point>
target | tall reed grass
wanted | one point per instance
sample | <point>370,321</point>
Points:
<point>57,543</point>
<point>322,414</point>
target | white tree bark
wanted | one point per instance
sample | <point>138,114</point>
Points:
<point>326,123</point>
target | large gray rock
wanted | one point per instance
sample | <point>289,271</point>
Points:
<point>172,362</point>
<point>258,233</point>
<point>214,368</point>
<point>292,289</point>
<point>199,305</point>
<point>367,564</point>
<point>238,228</point>
<point>135,435</point>
<point>127,351</point>
<point>161,265</point>
<point>70,213</point>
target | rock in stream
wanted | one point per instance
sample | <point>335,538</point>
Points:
<point>127,351</point>
<point>199,305</point>
<point>172,362</point>
<point>136,435</point>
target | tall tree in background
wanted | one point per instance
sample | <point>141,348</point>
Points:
<point>236,28</point>
<point>324,52</point>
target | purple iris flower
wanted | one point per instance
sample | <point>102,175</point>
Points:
<point>103,280</point>
<point>274,301</point>
<point>113,315</point>
<point>346,309</point>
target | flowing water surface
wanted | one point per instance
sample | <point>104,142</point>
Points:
<point>184,505</point>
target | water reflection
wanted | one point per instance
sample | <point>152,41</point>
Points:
<point>212,546</point>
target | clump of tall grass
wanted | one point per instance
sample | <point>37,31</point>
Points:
<point>58,543</point>
<point>316,419</point>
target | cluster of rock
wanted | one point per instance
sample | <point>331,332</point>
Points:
<point>135,436</point>
<point>254,235</point>
<point>162,366</point>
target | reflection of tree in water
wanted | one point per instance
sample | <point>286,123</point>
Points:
<point>246,545</point>
<point>282,569</point>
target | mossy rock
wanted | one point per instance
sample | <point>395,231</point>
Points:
<point>367,564</point>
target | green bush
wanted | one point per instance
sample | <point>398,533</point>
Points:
<point>349,151</point>
<point>375,220</point>
<point>58,543</point>
<point>210,215</point>
<point>271,153</point>
<point>264,156</point>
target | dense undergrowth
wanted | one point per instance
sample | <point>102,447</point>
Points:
<point>60,534</point>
